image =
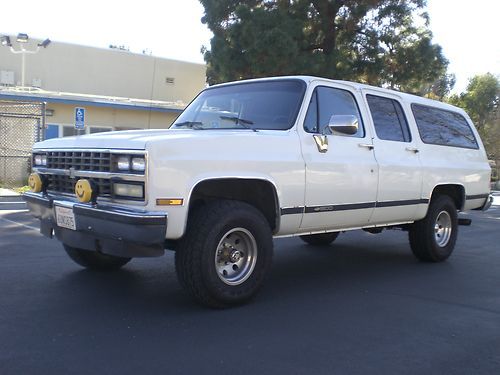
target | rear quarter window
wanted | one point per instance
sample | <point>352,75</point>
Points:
<point>442,127</point>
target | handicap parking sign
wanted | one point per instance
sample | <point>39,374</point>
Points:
<point>79,118</point>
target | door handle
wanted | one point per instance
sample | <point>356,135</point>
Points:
<point>412,149</point>
<point>369,146</point>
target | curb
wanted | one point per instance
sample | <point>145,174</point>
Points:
<point>13,206</point>
<point>12,202</point>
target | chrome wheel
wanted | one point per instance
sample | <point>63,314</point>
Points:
<point>236,256</point>
<point>442,228</point>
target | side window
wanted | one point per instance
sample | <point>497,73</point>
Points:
<point>389,119</point>
<point>441,127</point>
<point>325,103</point>
<point>311,121</point>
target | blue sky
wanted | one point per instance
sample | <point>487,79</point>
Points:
<point>172,28</point>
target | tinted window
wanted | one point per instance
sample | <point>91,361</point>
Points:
<point>389,119</point>
<point>441,127</point>
<point>260,105</point>
<point>327,102</point>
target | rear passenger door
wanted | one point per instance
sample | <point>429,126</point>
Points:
<point>397,155</point>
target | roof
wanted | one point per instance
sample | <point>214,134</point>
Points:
<point>39,95</point>
<point>358,86</point>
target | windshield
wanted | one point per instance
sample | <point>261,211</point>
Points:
<point>259,105</point>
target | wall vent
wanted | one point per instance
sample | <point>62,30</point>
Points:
<point>170,80</point>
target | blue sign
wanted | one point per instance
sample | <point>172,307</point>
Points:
<point>79,118</point>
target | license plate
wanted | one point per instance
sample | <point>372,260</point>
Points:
<point>65,218</point>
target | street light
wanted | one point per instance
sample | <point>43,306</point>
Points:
<point>5,41</point>
<point>22,40</point>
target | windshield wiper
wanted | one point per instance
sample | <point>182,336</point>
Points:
<point>198,125</point>
<point>240,121</point>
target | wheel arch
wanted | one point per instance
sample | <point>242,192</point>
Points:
<point>453,190</point>
<point>259,192</point>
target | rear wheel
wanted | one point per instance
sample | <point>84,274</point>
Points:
<point>224,256</point>
<point>321,239</point>
<point>433,238</point>
<point>95,260</point>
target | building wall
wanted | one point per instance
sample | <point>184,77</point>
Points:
<point>106,118</point>
<point>73,68</point>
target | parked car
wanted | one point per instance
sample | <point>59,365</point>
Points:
<point>254,160</point>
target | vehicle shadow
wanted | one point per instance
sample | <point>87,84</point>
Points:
<point>299,271</point>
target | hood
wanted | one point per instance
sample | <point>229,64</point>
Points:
<point>128,139</point>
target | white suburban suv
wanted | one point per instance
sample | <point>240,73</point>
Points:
<point>252,160</point>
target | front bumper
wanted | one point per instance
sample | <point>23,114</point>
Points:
<point>106,229</point>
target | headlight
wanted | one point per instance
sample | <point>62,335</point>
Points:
<point>124,190</point>
<point>40,159</point>
<point>123,163</point>
<point>138,164</point>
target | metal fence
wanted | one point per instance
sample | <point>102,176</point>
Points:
<point>21,125</point>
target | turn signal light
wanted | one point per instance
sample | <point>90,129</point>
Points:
<point>169,202</point>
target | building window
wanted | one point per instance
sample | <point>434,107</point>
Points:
<point>99,129</point>
<point>68,131</point>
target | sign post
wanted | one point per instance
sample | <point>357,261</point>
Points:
<point>79,120</point>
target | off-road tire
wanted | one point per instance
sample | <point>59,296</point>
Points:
<point>423,233</point>
<point>196,252</point>
<point>94,260</point>
<point>322,239</point>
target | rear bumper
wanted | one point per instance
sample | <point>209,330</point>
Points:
<point>107,229</point>
<point>487,204</point>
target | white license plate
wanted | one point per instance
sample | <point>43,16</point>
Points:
<point>65,218</point>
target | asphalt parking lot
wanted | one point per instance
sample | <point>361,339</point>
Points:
<point>363,305</point>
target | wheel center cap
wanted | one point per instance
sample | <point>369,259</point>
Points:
<point>234,256</point>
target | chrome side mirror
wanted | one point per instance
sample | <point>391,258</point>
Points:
<point>343,124</point>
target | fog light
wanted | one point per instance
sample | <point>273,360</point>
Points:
<point>83,190</point>
<point>123,163</point>
<point>35,183</point>
<point>128,190</point>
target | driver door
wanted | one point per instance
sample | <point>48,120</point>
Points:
<point>341,170</point>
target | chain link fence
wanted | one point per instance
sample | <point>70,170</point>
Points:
<point>21,125</point>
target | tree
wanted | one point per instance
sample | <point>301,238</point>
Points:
<point>372,41</point>
<point>481,98</point>
<point>481,101</point>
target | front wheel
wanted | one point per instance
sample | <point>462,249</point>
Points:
<point>433,238</point>
<point>95,260</point>
<point>225,253</point>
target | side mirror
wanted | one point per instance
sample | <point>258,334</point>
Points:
<point>343,124</point>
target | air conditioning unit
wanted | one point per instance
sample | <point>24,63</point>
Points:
<point>7,78</point>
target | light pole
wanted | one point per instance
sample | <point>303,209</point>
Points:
<point>22,39</point>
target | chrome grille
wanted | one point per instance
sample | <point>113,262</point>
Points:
<point>66,184</point>
<point>79,160</point>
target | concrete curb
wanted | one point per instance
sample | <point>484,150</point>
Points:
<point>12,202</point>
